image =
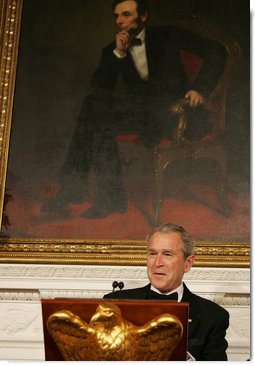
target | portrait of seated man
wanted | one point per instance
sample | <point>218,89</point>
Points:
<point>147,61</point>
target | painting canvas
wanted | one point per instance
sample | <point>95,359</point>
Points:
<point>59,49</point>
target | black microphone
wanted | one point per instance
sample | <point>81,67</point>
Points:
<point>121,285</point>
<point>115,284</point>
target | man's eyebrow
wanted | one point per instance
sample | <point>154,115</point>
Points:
<point>125,12</point>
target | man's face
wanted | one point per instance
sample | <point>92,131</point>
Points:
<point>166,263</point>
<point>126,17</point>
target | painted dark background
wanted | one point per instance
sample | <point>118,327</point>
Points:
<point>59,49</point>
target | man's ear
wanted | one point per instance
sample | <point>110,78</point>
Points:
<point>189,263</point>
<point>145,17</point>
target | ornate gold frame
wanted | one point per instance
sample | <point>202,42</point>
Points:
<point>94,252</point>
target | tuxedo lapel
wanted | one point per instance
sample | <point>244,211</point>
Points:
<point>165,70</point>
<point>146,291</point>
<point>194,310</point>
<point>128,69</point>
<point>154,48</point>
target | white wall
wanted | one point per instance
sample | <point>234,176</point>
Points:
<point>22,287</point>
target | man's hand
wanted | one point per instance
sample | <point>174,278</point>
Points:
<point>195,99</point>
<point>122,42</point>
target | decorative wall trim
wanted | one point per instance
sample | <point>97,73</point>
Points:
<point>19,295</point>
<point>103,272</point>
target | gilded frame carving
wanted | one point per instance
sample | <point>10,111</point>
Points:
<point>35,250</point>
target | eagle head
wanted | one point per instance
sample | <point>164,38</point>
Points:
<point>106,312</point>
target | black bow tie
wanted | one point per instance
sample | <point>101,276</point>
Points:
<point>135,42</point>
<point>155,295</point>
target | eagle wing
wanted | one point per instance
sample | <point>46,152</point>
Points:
<point>158,338</point>
<point>74,338</point>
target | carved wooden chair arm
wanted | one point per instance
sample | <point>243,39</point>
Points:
<point>178,108</point>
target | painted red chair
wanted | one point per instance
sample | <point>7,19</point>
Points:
<point>211,146</point>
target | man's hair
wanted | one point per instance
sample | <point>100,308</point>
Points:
<point>142,6</point>
<point>187,240</point>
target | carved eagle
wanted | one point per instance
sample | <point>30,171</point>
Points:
<point>109,337</point>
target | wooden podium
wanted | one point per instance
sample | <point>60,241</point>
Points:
<point>138,312</point>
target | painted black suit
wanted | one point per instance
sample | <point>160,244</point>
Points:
<point>138,106</point>
<point>206,335</point>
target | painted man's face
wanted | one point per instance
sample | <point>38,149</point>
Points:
<point>126,17</point>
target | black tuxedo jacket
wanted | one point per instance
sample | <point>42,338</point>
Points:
<point>207,331</point>
<point>166,72</point>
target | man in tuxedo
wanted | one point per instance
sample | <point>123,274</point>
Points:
<point>139,75</point>
<point>170,254</point>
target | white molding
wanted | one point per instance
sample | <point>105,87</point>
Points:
<point>216,279</point>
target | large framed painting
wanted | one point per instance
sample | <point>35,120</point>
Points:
<point>49,51</point>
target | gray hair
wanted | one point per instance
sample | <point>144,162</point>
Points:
<point>187,240</point>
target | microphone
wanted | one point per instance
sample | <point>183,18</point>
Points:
<point>121,285</point>
<point>116,284</point>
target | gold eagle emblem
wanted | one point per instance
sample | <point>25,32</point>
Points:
<point>109,337</point>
